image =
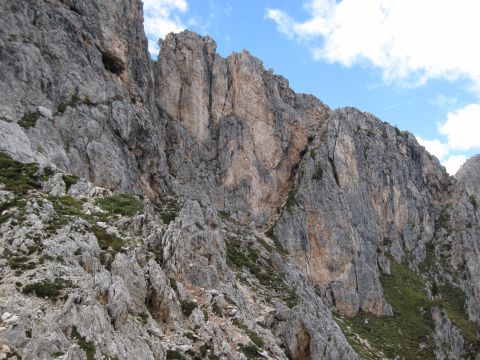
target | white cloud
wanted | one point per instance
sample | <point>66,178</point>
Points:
<point>462,128</point>
<point>161,18</point>
<point>453,163</point>
<point>411,41</point>
<point>443,101</point>
<point>435,147</point>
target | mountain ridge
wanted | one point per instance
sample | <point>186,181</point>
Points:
<point>195,206</point>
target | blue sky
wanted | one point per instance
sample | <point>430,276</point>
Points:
<point>412,63</point>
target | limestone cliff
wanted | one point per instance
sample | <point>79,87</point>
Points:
<point>197,207</point>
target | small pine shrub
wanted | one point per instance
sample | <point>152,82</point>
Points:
<point>29,119</point>
<point>188,306</point>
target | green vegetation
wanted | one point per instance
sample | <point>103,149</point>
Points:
<point>173,284</point>
<point>69,180</point>
<point>108,243</point>
<point>174,355</point>
<point>473,201</point>
<point>188,306</point>
<point>251,351</point>
<point>217,310</point>
<point>87,346</point>
<point>16,176</point>
<point>121,204</point>
<point>44,289</point>
<point>58,354</point>
<point>443,220</point>
<point>29,119</point>
<point>73,102</point>
<point>143,316</point>
<point>261,269</point>
<point>224,215</point>
<point>318,174</point>
<point>65,207</point>
<point>452,300</point>
<point>256,339</point>
<point>408,333</point>
<point>168,216</point>
<point>21,263</point>
<point>313,153</point>
<point>270,233</point>
<point>291,202</point>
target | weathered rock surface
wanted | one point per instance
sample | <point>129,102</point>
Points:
<point>266,216</point>
<point>364,194</point>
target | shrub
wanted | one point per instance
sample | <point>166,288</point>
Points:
<point>188,306</point>
<point>174,355</point>
<point>29,119</point>
<point>43,289</point>
<point>168,216</point>
<point>473,201</point>
<point>87,346</point>
<point>291,202</point>
<point>250,351</point>
<point>318,174</point>
<point>217,310</point>
<point>16,176</point>
<point>69,180</point>
<point>121,204</point>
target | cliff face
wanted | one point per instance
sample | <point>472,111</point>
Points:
<point>264,225</point>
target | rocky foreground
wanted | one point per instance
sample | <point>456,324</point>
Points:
<point>196,207</point>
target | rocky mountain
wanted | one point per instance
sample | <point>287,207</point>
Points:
<point>196,207</point>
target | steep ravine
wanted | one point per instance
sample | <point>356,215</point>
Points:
<point>197,207</point>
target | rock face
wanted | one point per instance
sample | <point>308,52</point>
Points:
<point>264,225</point>
<point>364,194</point>
<point>244,119</point>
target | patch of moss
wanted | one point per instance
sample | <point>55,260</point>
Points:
<point>121,204</point>
<point>260,268</point>
<point>168,216</point>
<point>29,119</point>
<point>452,300</point>
<point>18,202</point>
<point>291,201</point>
<point>270,233</point>
<point>44,289</point>
<point>69,180</point>
<point>58,354</point>
<point>318,174</point>
<point>443,220</point>
<point>473,201</point>
<point>408,333</point>
<point>188,306</point>
<point>107,241</point>
<point>16,176</point>
<point>217,310</point>
<point>256,339</point>
<point>313,153</point>
<point>74,101</point>
<point>205,314</point>
<point>143,316</point>
<point>224,215</point>
<point>173,284</point>
<point>174,355</point>
<point>251,351</point>
<point>21,263</point>
<point>67,205</point>
<point>87,346</point>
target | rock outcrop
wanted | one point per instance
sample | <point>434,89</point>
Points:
<point>197,207</point>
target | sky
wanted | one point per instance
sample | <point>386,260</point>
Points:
<point>412,63</point>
